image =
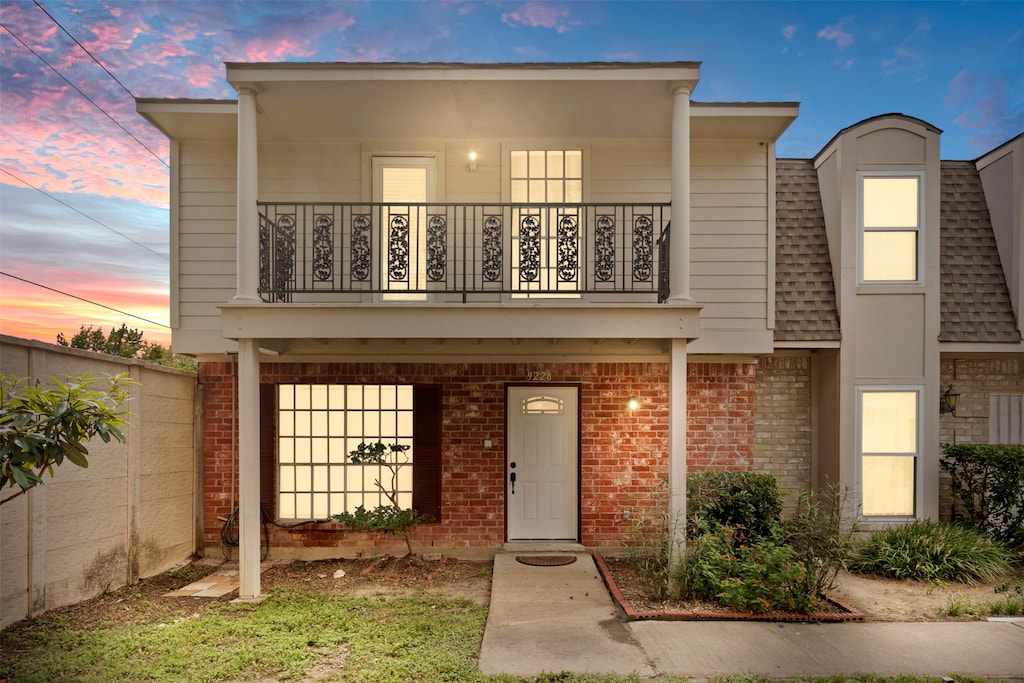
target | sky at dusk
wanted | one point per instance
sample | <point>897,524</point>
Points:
<point>84,179</point>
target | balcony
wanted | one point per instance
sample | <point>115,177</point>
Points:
<point>462,253</point>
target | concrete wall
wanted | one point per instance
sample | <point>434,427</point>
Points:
<point>129,515</point>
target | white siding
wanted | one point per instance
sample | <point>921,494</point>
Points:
<point>729,234</point>
<point>206,242</point>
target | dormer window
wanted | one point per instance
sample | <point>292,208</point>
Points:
<point>890,228</point>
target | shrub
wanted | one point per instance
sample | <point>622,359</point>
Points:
<point>759,577</point>
<point>931,551</point>
<point>747,502</point>
<point>820,537</point>
<point>988,488</point>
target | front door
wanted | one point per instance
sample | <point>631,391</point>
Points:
<point>542,466</point>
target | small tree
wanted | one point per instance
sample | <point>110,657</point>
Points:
<point>123,341</point>
<point>391,518</point>
<point>41,426</point>
<point>126,342</point>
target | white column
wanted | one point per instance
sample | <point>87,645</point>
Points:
<point>677,448</point>
<point>248,228</point>
<point>679,251</point>
<point>248,469</point>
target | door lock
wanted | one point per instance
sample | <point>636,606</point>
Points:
<point>512,477</point>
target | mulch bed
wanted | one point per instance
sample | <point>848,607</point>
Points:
<point>637,605</point>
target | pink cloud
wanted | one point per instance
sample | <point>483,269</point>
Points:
<point>788,32</point>
<point>539,15</point>
<point>837,34</point>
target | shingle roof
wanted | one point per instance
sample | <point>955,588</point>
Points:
<point>805,298</point>
<point>974,300</point>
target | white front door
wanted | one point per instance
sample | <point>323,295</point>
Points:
<point>542,466</point>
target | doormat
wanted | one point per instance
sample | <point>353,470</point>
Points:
<point>546,560</point>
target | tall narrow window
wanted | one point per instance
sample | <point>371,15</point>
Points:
<point>890,237</point>
<point>889,449</point>
<point>546,190</point>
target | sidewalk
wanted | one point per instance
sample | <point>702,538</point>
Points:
<point>551,619</point>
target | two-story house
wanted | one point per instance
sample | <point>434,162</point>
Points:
<point>564,285</point>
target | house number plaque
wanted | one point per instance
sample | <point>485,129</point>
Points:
<point>540,376</point>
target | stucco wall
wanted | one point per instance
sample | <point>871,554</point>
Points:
<point>129,515</point>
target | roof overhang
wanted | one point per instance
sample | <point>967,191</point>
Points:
<point>466,101</point>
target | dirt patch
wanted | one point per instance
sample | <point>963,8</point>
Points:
<point>387,576</point>
<point>895,600</point>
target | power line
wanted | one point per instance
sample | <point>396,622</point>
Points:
<point>89,99</point>
<point>109,308</point>
<point>86,51</point>
<point>85,215</point>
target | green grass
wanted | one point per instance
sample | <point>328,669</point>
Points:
<point>292,633</point>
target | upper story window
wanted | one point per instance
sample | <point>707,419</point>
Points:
<point>890,228</point>
<point>546,189</point>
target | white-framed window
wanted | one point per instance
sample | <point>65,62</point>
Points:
<point>889,445</point>
<point>890,227</point>
<point>546,236</point>
<point>318,425</point>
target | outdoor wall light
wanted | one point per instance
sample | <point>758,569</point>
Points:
<point>472,162</point>
<point>949,400</point>
<point>633,403</point>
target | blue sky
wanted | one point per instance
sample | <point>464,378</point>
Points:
<point>83,179</point>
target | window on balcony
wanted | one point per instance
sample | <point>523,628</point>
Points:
<point>890,234</point>
<point>546,237</point>
<point>308,430</point>
<point>889,450</point>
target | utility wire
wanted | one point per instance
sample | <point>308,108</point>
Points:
<point>79,90</point>
<point>85,215</point>
<point>109,308</point>
<point>84,49</point>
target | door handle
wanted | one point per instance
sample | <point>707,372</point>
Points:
<point>512,478</point>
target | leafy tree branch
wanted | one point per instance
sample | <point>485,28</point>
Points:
<point>40,427</point>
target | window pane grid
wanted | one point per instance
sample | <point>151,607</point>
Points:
<point>318,425</point>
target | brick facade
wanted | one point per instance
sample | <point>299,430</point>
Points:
<point>623,453</point>
<point>720,412</point>
<point>782,432</point>
<point>623,457</point>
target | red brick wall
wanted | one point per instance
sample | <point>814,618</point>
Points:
<point>623,453</point>
<point>720,416</point>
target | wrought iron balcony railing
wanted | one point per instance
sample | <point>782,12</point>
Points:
<point>475,251</point>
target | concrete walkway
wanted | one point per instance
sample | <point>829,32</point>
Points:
<point>552,619</point>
